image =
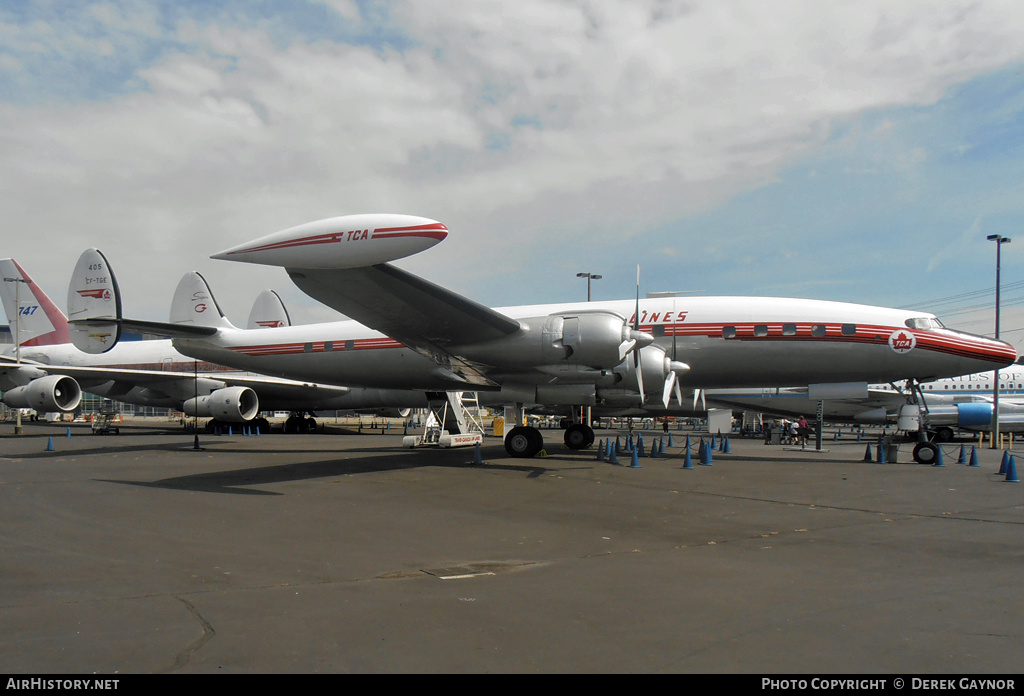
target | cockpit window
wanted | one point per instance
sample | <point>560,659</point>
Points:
<point>924,323</point>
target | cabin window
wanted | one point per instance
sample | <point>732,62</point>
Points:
<point>818,330</point>
<point>308,348</point>
<point>761,330</point>
<point>658,330</point>
<point>328,346</point>
<point>349,344</point>
<point>789,329</point>
<point>849,329</point>
<point>728,332</point>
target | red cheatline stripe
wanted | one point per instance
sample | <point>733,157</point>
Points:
<point>962,346</point>
<point>435,231</point>
<point>317,346</point>
<point>303,241</point>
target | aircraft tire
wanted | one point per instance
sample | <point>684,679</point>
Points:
<point>579,436</point>
<point>523,442</point>
<point>926,452</point>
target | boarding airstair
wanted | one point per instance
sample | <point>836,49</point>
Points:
<point>452,421</point>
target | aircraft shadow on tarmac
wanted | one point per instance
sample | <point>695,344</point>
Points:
<point>240,481</point>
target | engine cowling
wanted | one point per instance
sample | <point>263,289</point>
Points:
<point>598,340</point>
<point>656,370</point>
<point>50,393</point>
<point>231,404</point>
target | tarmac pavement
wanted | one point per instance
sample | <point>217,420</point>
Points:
<point>339,552</point>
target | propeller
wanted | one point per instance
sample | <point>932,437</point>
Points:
<point>636,328</point>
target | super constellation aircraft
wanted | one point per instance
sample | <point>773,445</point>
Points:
<point>407,332</point>
<point>44,371</point>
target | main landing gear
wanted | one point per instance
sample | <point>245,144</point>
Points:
<point>524,441</point>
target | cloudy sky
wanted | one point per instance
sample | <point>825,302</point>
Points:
<point>857,151</point>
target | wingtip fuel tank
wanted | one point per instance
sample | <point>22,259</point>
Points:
<point>349,241</point>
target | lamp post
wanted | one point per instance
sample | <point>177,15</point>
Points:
<point>17,340</point>
<point>589,277</point>
<point>1000,241</point>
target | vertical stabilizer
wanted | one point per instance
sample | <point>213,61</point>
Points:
<point>268,311</point>
<point>31,314</point>
<point>194,304</point>
<point>94,304</point>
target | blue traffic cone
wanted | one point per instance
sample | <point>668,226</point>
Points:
<point>635,464</point>
<point>69,431</point>
<point>705,456</point>
<point>714,442</point>
<point>1011,470</point>
<point>938,457</point>
<point>600,451</point>
<point>962,458</point>
<point>1002,464</point>
<point>476,454</point>
<point>640,445</point>
<point>613,456</point>
<point>974,457</point>
<point>230,429</point>
<point>618,446</point>
<point>881,454</point>
<point>661,445</point>
<point>687,461</point>
<point>725,446</point>
<point>49,444</point>
<point>195,445</point>
<point>867,454</point>
<point>670,440</point>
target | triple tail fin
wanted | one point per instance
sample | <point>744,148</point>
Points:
<point>94,304</point>
<point>268,311</point>
<point>31,314</point>
<point>94,307</point>
<point>194,305</point>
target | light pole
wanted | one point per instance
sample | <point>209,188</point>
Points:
<point>17,340</point>
<point>1000,241</point>
<point>589,277</point>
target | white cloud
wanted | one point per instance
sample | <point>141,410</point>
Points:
<point>536,128</point>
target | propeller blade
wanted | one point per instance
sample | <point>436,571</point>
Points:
<point>670,383</point>
<point>639,377</point>
<point>699,394</point>
<point>679,394</point>
<point>625,347</point>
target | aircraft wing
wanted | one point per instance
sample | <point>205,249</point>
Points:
<point>180,384</point>
<point>424,316</point>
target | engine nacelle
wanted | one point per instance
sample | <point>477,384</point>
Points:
<point>655,368</point>
<point>232,404</point>
<point>50,393</point>
<point>597,340</point>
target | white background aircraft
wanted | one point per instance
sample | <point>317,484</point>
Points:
<point>406,332</point>
<point>53,372</point>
